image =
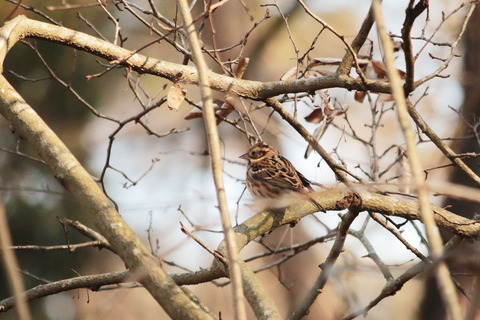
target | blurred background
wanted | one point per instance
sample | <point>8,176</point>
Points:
<point>158,181</point>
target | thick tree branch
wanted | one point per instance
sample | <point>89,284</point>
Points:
<point>334,199</point>
<point>21,28</point>
<point>78,181</point>
<point>340,198</point>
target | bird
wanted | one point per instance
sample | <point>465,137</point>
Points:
<point>272,176</point>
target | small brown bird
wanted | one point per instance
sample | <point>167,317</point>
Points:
<point>270,175</point>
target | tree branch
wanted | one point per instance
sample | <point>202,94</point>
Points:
<point>447,287</point>
<point>9,261</point>
<point>334,199</point>
<point>93,282</point>
<point>69,172</point>
<point>213,141</point>
<point>357,43</point>
<point>21,27</point>
<point>327,266</point>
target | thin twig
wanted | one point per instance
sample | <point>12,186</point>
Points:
<point>453,46</point>
<point>357,43</point>
<point>372,254</point>
<point>68,247</point>
<point>214,253</point>
<point>339,36</point>
<point>399,237</point>
<point>391,288</point>
<point>93,282</point>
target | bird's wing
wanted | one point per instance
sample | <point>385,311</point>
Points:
<point>305,181</point>
<point>279,172</point>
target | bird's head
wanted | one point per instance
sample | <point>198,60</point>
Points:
<point>258,152</point>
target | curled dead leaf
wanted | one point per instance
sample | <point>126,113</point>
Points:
<point>316,116</point>
<point>381,71</point>
<point>193,115</point>
<point>176,95</point>
<point>360,96</point>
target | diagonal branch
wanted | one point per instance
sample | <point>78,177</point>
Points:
<point>327,266</point>
<point>391,288</point>
<point>338,169</point>
<point>412,13</point>
<point>357,43</point>
<point>10,263</point>
<point>446,150</point>
<point>447,287</point>
<point>353,52</point>
<point>70,173</point>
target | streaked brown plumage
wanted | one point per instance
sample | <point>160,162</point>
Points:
<point>270,175</point>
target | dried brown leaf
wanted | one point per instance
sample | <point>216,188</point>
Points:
<point>176,95</point>
<point>360,96</point>
<point>379,69</point>
<point>316,116</point>
<point>193,115</point>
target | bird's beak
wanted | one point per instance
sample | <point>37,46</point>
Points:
<point>244,156</point>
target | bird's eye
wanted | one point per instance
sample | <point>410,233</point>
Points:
<point>255,154</point>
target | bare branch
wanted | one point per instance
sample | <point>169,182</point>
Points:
<point>21,27</point>
<point>327,266</point>
<point>78,181</point>
<point>447,288</point>
<point>93,282</point>
<point>10,263</point>
<point>216,162</point>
